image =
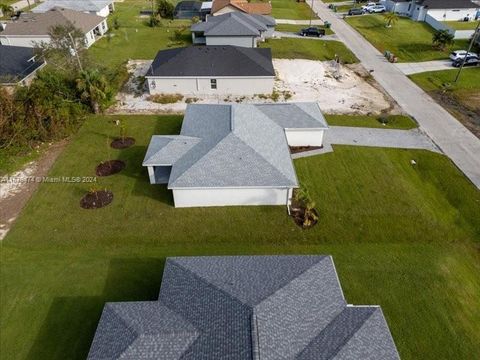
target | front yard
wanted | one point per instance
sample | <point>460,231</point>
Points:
<point>404,237</point>
<point>291,9</point>
<point>409,40</point>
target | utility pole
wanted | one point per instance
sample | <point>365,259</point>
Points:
<point>75,51</point>
<point>474,37</point>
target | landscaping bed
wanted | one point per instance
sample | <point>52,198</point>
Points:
<point>299,149</point>
<point>96,199</point>
<point>122,143</point>
<point>109,167</point>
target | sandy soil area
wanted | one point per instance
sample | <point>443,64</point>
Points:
<point>337,89</point>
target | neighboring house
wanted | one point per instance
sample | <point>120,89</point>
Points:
<point>31,29</point>
<point>95,7</point>
<point>234,28</point>
<point>234,154</point>
<point>245,308</point>
<point>220,7</point>
<point>18,65</point>
<point>440,10</point>
<point>221,70</point>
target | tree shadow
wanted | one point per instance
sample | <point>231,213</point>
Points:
<point>71,321</point>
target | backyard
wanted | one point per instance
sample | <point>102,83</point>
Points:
<point>409,40</point>
<point>462,25</point>
<point>404,237</point>
<point>462,99</point>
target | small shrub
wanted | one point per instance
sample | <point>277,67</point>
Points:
<point>165,98</point>
<point>191,100</point>
<point>275,95</point>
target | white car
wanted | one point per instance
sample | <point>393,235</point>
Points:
<point>460,54</point>
<point>368,5</point>
<point>376,9</point>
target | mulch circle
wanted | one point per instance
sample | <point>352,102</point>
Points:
<point>299,149</point>
<point>122,143</point>
<point>298,216</point>
<point>96,199</point>
<point>109,167</point>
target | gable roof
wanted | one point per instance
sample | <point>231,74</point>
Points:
<point>260,8</point>
<point>212,61</point>
<point>245,307</point>
<point>17,63</point>
<point>448,4</point>
<point>234,24</point>
<point>226,145</point>
<point>77,5</point>
<point>40,24</point>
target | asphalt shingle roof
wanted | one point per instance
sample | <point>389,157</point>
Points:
<point>16,63</point>
<point>212,61</point>
<point>448,4</point>
<point>245,308</point>
<point>237,145</point>
<point>234,24</point>
<point>77,5</point>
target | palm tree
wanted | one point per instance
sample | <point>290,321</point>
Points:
<point>7,10</point>
<point>442,38</point>
<point>391,18</point>
<point>93,88</point>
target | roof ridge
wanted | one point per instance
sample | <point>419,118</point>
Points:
<point>248,54</point>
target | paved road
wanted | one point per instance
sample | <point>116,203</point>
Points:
<point>414,68</point>
<point>449,134</point>
<point>281,34</point>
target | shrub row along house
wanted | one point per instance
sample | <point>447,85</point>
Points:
<point>32,29</point>
<point>234,154</point>
<point>245,308</point>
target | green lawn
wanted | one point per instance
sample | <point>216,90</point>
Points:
<point>403,237</point>
<point>461,25</point>
<point>297,28</point>
<point>291,9</point>
<point>311,49</point>
<point>345,8</point>
<point>393,121</point>
<point>409,40</point>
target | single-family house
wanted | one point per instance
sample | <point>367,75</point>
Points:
<point>245,308</point>
<point>218,70</point>
<point>18,65</point>
<point>220,7</point>
<point>439,10</point>
<point>33,28</point>
<point>234,154</point>
<point>234,28</point>
<point>95,7</point>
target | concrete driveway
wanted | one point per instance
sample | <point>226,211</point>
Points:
<point>414,68</point>
<point>459,144</point>
<point>281,34</point>
<point>299,22</point>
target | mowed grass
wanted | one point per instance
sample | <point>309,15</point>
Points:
<point>401,122</point>
<point>409,40</point>
<point>298,28</point>
<point>462,25</point>
<point>291,9</point>
<point>403,237</point>
<point>310,49</point>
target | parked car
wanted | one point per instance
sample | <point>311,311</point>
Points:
<point>312,31</point>
<point>368,5</point>
<point>377,9</point>
<point>471,60</point>
<point>460,54</point>
<point>356,11</point>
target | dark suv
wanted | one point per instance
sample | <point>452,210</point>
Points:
<point>312,31</point>
<point>471,60</point>
<point>355,11</point>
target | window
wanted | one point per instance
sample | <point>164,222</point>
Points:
<point>213,84</point>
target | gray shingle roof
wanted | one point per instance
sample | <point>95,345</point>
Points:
<point>244,307</point>
<point>212,61</point>
<point>234,24</point>
<point>77,5</point>
<point>17,63</point>
<point>227,145</point>
<point>448,4</point>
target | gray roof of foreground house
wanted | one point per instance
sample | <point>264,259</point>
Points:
<point>212,61</point>
<point>77,5</point>
<point>234,145</point>
<point>234,23</point>
<point>245,308</point>
<point>17,63</point>
<point>41,24</point>
<point>448,4</point>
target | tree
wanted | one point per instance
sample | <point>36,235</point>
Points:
<point>154,20</point>
<point>391,18</point>
<point>165,9</point>
<point>93,88</point>
<point>7,10</point>
<point>442,38</point>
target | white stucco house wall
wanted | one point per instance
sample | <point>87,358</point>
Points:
<point>234,154</point>
<point>234,28</point>
<point>96,7</point>
<point>440,10</point>
<point>32,29</point>
<point>212,70</point>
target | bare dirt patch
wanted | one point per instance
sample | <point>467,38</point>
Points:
<point>109,167</point>
<point>96,199</point>
<point>122,143</point>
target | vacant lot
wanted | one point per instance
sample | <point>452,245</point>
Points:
<point>403,237</point>
<point>310,49</point>
<point>409,40</point>
<point>291,9</point>
<point>462,99</point>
